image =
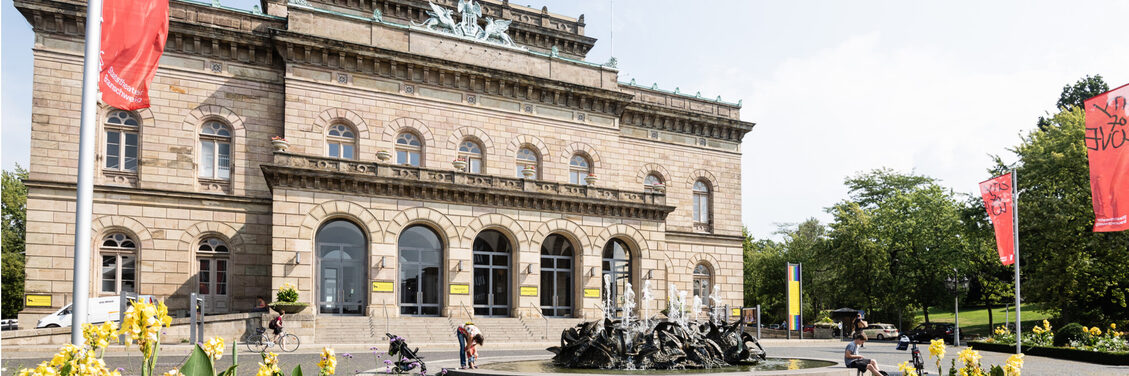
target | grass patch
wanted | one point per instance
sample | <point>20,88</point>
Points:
<point>974,320</point>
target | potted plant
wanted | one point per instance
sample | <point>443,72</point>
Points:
<point>658,188</point>
<point>591,179</point>
<point>529,172</point>
<point>383,155</point>
<point>286,300</point>
<point>460,163</point>
<point>279,143</point>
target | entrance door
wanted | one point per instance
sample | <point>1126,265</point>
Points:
<point>421,280</point>
<point>341,268</point>
<point>211,277</point>
<point>617,268</point>
<point>491,251</point>
<point>556,277</point>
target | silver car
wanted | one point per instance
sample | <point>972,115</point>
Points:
<point>881,331</point>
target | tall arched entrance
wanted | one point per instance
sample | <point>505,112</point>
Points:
<point>492,253</point>
<point>421,271</point>
<point>617,268</point>
<point>556,276</point>
<point>341,268</point>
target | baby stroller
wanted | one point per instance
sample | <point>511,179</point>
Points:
<point>404,358</point>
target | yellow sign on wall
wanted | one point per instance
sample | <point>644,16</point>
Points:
<point>381,286</point>
<point>591,293</point>
<point>735,312</point>
<point>460,289</point>
<point>37,300</point>
<point>528,290</point>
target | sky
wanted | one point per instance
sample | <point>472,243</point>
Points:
<point>835,87</point>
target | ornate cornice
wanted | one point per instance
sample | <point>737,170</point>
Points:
<point>661,118</point>
<point>384,180</point>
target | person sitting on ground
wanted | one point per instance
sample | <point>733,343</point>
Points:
<point>853,360</point>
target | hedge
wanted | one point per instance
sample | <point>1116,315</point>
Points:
<point>1111,358</point>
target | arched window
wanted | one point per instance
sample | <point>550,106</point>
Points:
<point>409,149</point>
<point>215,151</point>
<point>556,276</point>
<point>121,140</point>
<point>341,141</point>
<point>492,253</point>
<point>701,202</point>
<point>526,157</point>
<point>578,169</point>
<point>702,283</point>
<point>421,267</point>
<point>650,182</point>
<point>119,263</point>
<point>212,276</point>
<point>472,152</point>
<point>617,269</point>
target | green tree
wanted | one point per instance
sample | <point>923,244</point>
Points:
<point>1078,274</point>
<point>14,217</point>
<point>1074,95</point>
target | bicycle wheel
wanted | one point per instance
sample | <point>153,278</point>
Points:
<point>257,344</point>
<point>289,343</point>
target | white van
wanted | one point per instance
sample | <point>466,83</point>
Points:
<point>98,310</point>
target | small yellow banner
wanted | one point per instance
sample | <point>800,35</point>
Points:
<point>591,293</point>
<point>37,301</point>
<point>381,286</point>
<point>735,312</point>
<point>460,289</point>
<point>528,290</point>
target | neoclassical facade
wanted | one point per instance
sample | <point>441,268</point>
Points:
<point>425,169</point>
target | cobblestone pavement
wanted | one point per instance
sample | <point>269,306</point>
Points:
<point>362,360</point>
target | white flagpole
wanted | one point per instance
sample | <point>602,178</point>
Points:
<point>85,189</point>
<point>1015,249</point>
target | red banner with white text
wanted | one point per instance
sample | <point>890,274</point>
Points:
<point>1107,145</point>
<point>997,193</point>
<point>133,38</point>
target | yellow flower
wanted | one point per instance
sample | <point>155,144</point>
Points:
<point>937,349</point>
<point>1113,325</point>
<point>328,363</point>
<point>142,323</point>
<point>175,372</point>
<point>1095,331</point>
<point>44,369</point>
<point>1013,365</point>
<point>1037,330</point>
<point>269,366</point>
<point>65,354</point>
<point>907,370</point>
<point>214,348</point>
<point>1046,325</point>
<point>970,358</point>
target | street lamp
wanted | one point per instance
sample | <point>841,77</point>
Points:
<point>956,284</point>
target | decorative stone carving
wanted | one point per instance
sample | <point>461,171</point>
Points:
<point>440,17</point>
<point>441,20</point>
<point>377,16</point>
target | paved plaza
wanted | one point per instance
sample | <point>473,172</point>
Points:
<point>363,361</point>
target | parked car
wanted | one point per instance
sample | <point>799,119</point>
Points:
<point>775,326</point>
<point>931,330</point>
<point>10,324</point>
<point>809,328</point>
<point>881,331</point>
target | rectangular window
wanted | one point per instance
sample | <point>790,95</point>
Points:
<point>130,160</point>
<point>221,277</point>
<point>574,177</point>
<point>207,159</point>
<point>128,274</point>
<point>346,151</point>
<point>334,150</point>
<point>697,209</point>
<point>205,276</point>
<point>475,165</point>
<point>113,150</point>
<point>705,206</point>
<point>223,161</point>
<point>109,273</point>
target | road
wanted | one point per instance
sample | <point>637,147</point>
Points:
<point>353,359</point>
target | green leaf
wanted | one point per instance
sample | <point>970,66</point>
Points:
<point>297,371</point>
<point>198,364</point>
<point>996,371</point>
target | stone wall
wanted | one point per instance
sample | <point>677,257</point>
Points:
<point>229,326</point>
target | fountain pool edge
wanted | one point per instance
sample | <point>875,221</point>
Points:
<point>835,370</point>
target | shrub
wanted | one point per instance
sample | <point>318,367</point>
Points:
<point>287,294</point>
<point>1070,332</point>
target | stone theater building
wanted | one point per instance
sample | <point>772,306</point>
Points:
<point>450,159</point>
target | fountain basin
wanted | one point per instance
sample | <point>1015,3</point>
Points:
<point>772,366</point>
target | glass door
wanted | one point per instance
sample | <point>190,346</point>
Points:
<point>556,277</point>
<point>341,269</point>
<point>421,260</point>
<point>491,252</point>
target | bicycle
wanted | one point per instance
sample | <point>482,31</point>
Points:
<point>261,341</point>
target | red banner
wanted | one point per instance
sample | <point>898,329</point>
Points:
<point>1108,151</point>
<point>997,193</point>
<point>133,38</point>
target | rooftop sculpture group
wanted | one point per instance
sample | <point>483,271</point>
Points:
<point>441,19</point>
<point>649,343</point>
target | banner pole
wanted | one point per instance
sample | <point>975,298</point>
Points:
<point>85,189</point>
<point>788,301</point>
<point>800,276</point>
<point>1015,241</point>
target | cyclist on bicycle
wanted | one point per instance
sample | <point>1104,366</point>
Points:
<point>276,325</point>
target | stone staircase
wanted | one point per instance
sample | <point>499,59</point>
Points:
<point>436,330</point>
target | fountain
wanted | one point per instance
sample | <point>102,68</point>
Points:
<point>674,343</point>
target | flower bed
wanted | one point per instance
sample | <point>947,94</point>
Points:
<point>1099,357</point>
